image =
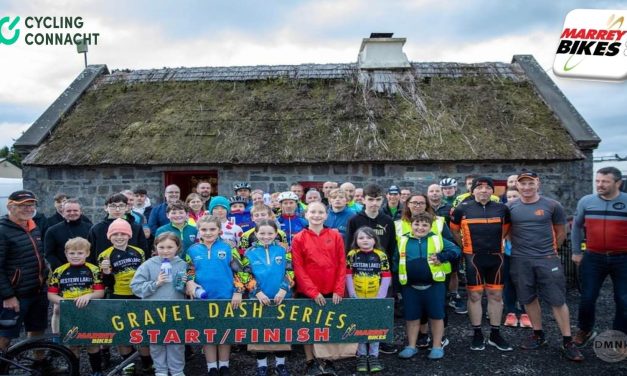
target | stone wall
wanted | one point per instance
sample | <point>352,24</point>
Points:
<point>565,181</point>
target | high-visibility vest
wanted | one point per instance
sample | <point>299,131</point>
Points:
<point>435,244</point>
<point>403,227</point>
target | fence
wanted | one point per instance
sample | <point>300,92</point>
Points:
<point>570,269</point>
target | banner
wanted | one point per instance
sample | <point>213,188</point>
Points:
<point>295,321</point>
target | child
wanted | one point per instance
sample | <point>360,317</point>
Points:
<point>150,283</point>
<point>177,214</point>
<point>319,269</point>
<point>119,264</point>
<point>231,233</point>
<point>78,280</point>
<point>289,220</point>
<point>260,212</point>
<point>269,278</point>
<point>240,212</point>
<point>367,276</point>
<point>422,261</point>
<point>196,207</point>
<point>339,213</point>
<point>214,269</point>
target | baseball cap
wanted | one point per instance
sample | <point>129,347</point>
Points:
<point>526,174</point>
<point>19,197</point>
<point>394,190</point>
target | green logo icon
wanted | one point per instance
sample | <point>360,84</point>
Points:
<point>12,24</point>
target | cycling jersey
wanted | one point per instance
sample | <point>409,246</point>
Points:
<point>268,269</point>
<point>249,239</point>
<point>216,269</point>
<point>123,267</point>
<point>71,281</point>
<point>482,227</point>
<point>367,270</point>
<point>291,225</point>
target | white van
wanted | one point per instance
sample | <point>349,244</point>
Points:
<point>8,186</point>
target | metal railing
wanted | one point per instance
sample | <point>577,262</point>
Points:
<point>570,269</point>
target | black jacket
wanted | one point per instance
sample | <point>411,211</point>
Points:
<point>386,210</point>
<point>99,242</point>
<point>58,235</point>
<point>23,270</point>
<point>382,225</point>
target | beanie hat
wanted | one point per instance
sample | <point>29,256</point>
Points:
<point>482,180</point>
<point>119,225</point>
<point>219,201</point>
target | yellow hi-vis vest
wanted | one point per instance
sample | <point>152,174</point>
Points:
<point>404,227</point>
<point>435,244</point>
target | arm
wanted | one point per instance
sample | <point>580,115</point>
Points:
<point>456,217</point>
<point>350,231</point>
<point>577,235</point>
<point>340,270</point>
<point>449,253</point>
<point>559,224</point>
<point>6,290</point>
<point>386,277</point>
<point>350,286</point>
<point>560,234</point>
<point>142,285</point>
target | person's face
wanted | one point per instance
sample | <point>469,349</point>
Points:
<point>195,204</point>
<point>338,202</point>
<point>237,207</point>
<point>172,193</point>
<point>417,204</point>
<point>405,193</point>
<point>177,217</point>
<point>208,232</point>
<point>468,184</point>
<point>71,212</point>
<point>316,214</point>
<point>312,197</point>
<point>365,242</point>
<point>512,195</point>
<point>288,207</point>
<point>393,199</point>
<point>259,215</point>
<point>528,188</point>
<point>120,240</point>
<point>606,185</point>
<point>298,190</point>
<point>167,249</point>
<point>448,191</point>
<point>220,212</point>
<point>358,196</point>
<point>349,190</point>
<point>22,212</point>
<point>77,256</point>
<point>327,187</point>
<point>274,202</point>
<point>244,193</point>
<point>373,204</point>
<point>131,201</point>
<point>257,197</point>
<point>266,235</point>
<point>511,181</point>
<point>116,209</point>
<point>140,200</point>
<point>434,193</point>
<point>420,229</point>
<point>482,193</point>
<point>59,205</point>
<point>204,189</point>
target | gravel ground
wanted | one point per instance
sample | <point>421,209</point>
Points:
<point>460,360</point>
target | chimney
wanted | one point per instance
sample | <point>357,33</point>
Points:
<point>381,51</point>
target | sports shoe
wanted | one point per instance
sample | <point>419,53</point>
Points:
<point>445,343</point>
<point>362,363</point>
<point>281,370</point>
<point>224,371</point>
<point>375,364</point>
<point>571,352</point>
<point>499,342</point>
<point>525,322</point>
<point>511,320</point>
<point>407,352</point>
<point>436,353</point>
<point>387,348</point>
<point>129,370</point>
<point>583,338</point>
<point>312,368</point>
<point>533,343</point>
<point>478,342</point>
<point>461,307</point>
<point>328,368</point>
<point>262,371</point>
<point>214,372</point>
<point>453,299</point>
<point>424,341</point>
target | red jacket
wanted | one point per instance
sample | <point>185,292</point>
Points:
<point>319,262</point>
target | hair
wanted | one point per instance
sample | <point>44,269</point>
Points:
<point>127,192</point>
<point>296,184</point>
<point>316,203</point>
<point>611,171</point>
<point>203,181</point>
<point>117,197</point>
<point>192,196</point>
<point>275,195</point>
<point>78,244</point>
<point>168,235</point>
<point>267,222</point>
<point>370,233</point>
<point>471,176</point>
<point>140,191</point>
<point>314,192</point>
<point>373,190</point>
<point>256,191</point>
<point>333,193</point>
<point>209,219</point>
<point>261,207</point>
<point>423,217</point>
<point>407,216</point>
<point>71,201</point>
<point>176,205</point>
<point>60,197</point>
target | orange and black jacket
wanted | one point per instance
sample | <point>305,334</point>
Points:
<point>482,227</point>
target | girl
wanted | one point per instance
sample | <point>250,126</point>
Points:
<point>196,208</point>
<point>230,232</point>
<point>319,269</point>
<point>269,275</point>
<point>150,283</point>
<point>214,269</point>
<point>367,276</point>
<point>258,213</point>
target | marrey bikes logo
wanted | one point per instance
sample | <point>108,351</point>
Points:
<point>10,28</point>
<point>593,45</point>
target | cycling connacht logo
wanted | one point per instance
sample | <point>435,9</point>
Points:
<point>12,34</point>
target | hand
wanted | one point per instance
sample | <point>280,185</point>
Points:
<point>82,301</point>
<point>284,245</point>
<point>337,298</point>
<point>320,300</point>
<point>434,260</point>
<point>11,303</point>
<point>161,279</point>
<point>577,259</point>
<point>147,232</point>
<point>105,266</point>
<point>263,298</point>
<point>278,298</point>
<point>190,288</point>
<point>236,300</point>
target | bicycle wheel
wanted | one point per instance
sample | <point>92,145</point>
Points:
<point>40,358</point>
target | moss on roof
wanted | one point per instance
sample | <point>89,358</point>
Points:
<point>282,120</point>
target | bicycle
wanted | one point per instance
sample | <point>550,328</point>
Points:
<point>38,356</point>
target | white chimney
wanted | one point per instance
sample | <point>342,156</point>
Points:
<point>381,51</point>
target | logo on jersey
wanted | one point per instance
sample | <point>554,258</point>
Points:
<point>278,260</point>
<point>539,212</point>
<point>618,206</point>
<point>221,255</point>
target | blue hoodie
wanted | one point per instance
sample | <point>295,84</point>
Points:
<point>215,269</point>
<point>340,219</point>
<point>271,269</point>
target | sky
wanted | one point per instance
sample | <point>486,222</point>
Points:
<point>191,33</point>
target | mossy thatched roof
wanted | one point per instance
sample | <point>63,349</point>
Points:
<point>326,113</point>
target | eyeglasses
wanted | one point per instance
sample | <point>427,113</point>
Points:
<point>416,203</point>
<point>26,206</point>
<point>116,207</point>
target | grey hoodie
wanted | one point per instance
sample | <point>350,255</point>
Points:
<point>144,283</point>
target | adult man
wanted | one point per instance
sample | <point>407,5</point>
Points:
<point>392,207</point>
<point>483,225</point>
<point>604,216</point>
<point>511,185</point>
<point>405,193</point>
<point>441,208</point>
<point>158,215</point>
<point>359,196</point>
<point>449,190</point>
<point>537,230</point>
<point>312,195</point>
<point>72,226</point>
<point>203,188</point>
<point>22,269</point>
<point>59,200</point>
<point>326,188</point>
<point>349,190</point>
<point>299,191</point>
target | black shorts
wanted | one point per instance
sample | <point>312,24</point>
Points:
<point>484,270</point>
<point>33,314</point>
<point>539,277</point>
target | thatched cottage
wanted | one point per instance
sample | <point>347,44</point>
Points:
<point>383,119</point>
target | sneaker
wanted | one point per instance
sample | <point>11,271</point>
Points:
<point>525,322</point>
<point>387,348</point>
<point>362,363</point>
<point>511,320</point>
<point>533,343</point>
<point>407,352</point>
<point>424,341</point>
<point>453,299</point>
<point>224,371</point>
<point>499,342</point>
<point>312,368</point>
<point>281,370</point>
<point>461,307</point>
<point>436,353</point>
<point>445,343</point>
<point>478,342</point>
<point>375,364</point>
<point>262,371</point>
<point>129,370</point>
<point>328,368</point>
<point>571,352</point>
<point>214,372</point>
<point>583,338</point>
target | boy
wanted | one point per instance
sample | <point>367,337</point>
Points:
<point>290,222</point>
<point>260,212</point>
<point>239,213</point>
<point>338,213</point>
<point>78,280</point>
<point>230,232</point>
<point>177,214</point>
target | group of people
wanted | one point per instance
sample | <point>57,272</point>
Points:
<point>342,242</point>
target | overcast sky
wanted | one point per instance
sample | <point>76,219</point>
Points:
<point>159,33</point>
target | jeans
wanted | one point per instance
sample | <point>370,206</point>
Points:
<point>594,269</point>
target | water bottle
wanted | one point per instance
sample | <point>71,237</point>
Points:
<point>200,293</point>
<point>179,282</point>
<point>166,268</point>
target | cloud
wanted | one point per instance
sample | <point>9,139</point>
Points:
<point>9,132</point>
